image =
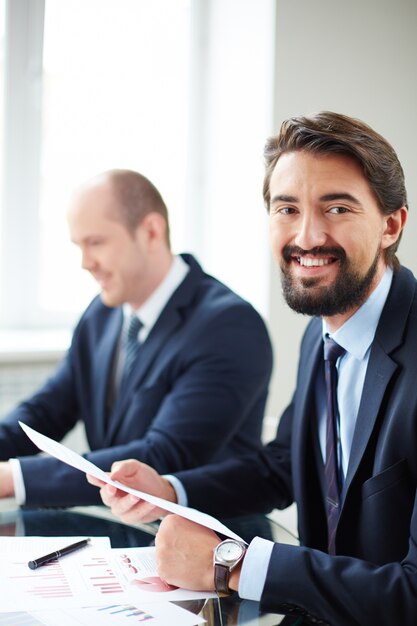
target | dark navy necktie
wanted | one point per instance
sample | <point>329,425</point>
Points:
<point>129,351</point>
<point>332,351</point>
<point>131,345</point>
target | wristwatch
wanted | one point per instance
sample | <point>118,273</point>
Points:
<point>227,555</point>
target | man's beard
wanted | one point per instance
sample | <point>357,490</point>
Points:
<point>348,291</point>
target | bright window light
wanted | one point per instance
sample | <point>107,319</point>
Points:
<point>115,95</point>
<point>2,67</point>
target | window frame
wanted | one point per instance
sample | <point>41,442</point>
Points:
<point>21,160</point>
<point>213,203</point>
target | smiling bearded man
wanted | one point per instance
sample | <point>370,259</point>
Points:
<point>309,298</point>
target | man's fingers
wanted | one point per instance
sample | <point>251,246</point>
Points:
<point>111,496</point>
<point>124,469</point>
<point>149,512</point>
<point>94,481</point>
<point>131,509</point>
<point>120,502</point>
<point>142,511</point>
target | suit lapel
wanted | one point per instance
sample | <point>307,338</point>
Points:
<point>157,340</point>
<point>381,366</point>
<point>103,371</point>
<point>305,472</point>
<point>306,390</point>
<point>171,319</point>
<point>379,373</point>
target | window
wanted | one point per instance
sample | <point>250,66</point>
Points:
<point>2,82</point>
<point>93,85</point>
<point>165,87</point>
<point>2,66</point>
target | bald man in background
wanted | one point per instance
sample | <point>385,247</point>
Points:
<point>199,367</point>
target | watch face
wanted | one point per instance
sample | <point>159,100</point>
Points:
<point>229,551</point>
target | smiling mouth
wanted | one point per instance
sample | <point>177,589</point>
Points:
<point>313,262</point>
<point>319,257</point>
<point>101,279</point>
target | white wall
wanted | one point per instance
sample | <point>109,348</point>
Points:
<point>234,98</point>
<point>357,58</point>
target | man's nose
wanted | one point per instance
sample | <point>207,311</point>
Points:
<point>87,262</point>
<point>311,232</point>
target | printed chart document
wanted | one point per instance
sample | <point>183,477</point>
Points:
<point>107,615</point>
<point>85,578</point>
<point>37,546</point>
<point>70,457</point>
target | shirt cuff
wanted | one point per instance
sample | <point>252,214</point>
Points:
<point>181,494</point>
<point>254,569</point>
<point>18,482</point>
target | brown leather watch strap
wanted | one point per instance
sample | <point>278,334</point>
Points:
<point>221,579</point>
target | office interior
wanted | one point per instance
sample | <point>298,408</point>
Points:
<point>204,82</point>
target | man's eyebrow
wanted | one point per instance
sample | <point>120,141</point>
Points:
<point>328,197</point>
<point>282,197</point>
<point>331,197</point>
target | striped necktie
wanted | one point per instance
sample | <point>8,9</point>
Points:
<point>332,351</point>
<point>131,345</point>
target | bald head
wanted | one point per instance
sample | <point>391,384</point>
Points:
<point>132,196</point>
<point>120,223</point>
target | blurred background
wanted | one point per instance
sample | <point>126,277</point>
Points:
<point>185,92</point>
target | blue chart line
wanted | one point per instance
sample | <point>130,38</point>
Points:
<point>128,609</point>
<point>19,618</point>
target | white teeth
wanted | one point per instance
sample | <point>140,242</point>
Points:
<point>312,262</point>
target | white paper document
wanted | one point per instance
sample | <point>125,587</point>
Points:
<point>160,614</point>
<point>85,578</point>
<point>37,546</point>
<point>70,457</point>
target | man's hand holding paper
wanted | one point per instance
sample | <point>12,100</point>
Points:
<point>70,457</point>
<point>137,475</point>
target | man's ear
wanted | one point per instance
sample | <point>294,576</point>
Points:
<point>394,225</point>
<point>154,227</point>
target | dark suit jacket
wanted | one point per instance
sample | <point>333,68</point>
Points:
<point>373,578</point>
<point>196,395</point>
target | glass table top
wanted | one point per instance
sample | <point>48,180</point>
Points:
<point>98,521</point>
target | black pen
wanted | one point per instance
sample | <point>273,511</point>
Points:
<point>55,555</point>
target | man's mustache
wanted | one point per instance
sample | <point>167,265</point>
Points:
<point>291,251</point>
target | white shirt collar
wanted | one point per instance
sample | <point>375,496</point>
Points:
<point>357,333</point>
<point>150,310</point>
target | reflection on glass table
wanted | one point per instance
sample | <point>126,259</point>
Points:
<point>98,521</point>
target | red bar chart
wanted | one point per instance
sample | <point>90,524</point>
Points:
<point>100,576</point>
<point>48,582</point>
